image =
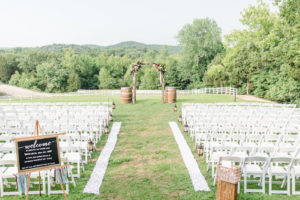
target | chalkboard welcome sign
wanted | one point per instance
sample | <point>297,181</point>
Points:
<point>37,153</point>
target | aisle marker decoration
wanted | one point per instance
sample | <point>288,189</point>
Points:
<point>95,181</point>
<point>197,178</point>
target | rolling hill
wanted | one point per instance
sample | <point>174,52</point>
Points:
<point>131,48</point>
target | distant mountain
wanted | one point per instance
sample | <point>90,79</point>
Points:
<point>131,48</point>
<point>75,47</point>
<point>157,47</point>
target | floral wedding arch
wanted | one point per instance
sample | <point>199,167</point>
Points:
<point>161,69</point>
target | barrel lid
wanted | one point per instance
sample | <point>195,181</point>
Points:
<point>123,88</point>
<point>169,87</point>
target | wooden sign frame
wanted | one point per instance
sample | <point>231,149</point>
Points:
<point>38,138</point>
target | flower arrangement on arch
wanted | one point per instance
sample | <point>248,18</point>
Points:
<point>135,68</point>
<point>160,67</point>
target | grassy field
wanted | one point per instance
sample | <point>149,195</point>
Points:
<point>146,162</point>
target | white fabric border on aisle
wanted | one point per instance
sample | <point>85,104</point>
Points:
<point>94,184</point>
<point>197,178</point>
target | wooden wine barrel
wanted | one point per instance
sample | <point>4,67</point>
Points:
<point>171,94</point>
<point>126,95</point>
<point>165,96</point>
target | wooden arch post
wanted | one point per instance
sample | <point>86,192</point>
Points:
<point>133,88</point>
<point>163,84</point>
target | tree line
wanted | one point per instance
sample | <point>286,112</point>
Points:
<point>262,59</point>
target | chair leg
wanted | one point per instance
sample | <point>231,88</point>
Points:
<point>44,184</point>
<point>73,180</point>
<point>208,165</point>
<point>288,184</point>
<point>283,182</point>
<point>1,186</point>
<point>212,169</point>
<point>245,182</point>
<point>270,184</point>
<point>293,183</point>
<point>264,183</point>
<point>86,156</point>
<point>49,183</point>
<point>79,168</point>
<point>82,165</point>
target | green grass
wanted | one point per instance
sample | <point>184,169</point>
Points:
<point>146,162</point>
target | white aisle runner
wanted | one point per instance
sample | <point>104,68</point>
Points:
<point>198,179</point>
<point>93,185</point>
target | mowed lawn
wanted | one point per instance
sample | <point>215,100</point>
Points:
<point>146,162</point>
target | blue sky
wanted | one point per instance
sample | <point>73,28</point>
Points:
<point>28,23</point>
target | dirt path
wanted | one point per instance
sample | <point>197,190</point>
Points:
<point>14,91</point>
<point>253,98</point>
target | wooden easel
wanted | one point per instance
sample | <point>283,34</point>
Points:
<point>37,129</point>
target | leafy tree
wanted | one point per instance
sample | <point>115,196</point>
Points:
<point>163,54</point>
<point>30,59</point>
<point>150,79</point>
<point>150,56</point>
<point>8,65</point>
<point>172,75</point>
<point>216,76</point>
<point>244,47</point>
<point>73,82</point>
<point>52,77</point>
<point>202,42</point>
<point>24,80</point>
<point>106,80</point>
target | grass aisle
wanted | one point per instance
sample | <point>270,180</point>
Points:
<point>146,163</point>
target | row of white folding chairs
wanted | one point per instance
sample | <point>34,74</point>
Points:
<point>239,104</point>
<point>223,108</point>
<point>74,140</point>
<point>8,169</point>
<point>87,116</point>
<point>244,104</point>
<point>56,104</point>
<point>242,132</point>
<point>58,112</point>
<point>95,129</point>
<point>282,122</point>
<point>211,139</point>
<point>71,147</point>
<point>254,141</point>
<point>94,132</point>
<point>15,123</point>
<point>94,106</point>
<point>233,113</point>
<point>239,124</point>
<point>273,167</point>
<point>69,120</point>
<point>244,151</point>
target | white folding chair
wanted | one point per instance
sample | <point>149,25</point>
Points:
<point>295,173</point>
<point>279,167</point>
<point>8,171</point>
<point>216,153</point>
<point>229,161</point>
<point>257,167</point>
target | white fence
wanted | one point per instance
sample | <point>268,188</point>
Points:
<point>221,90</point>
